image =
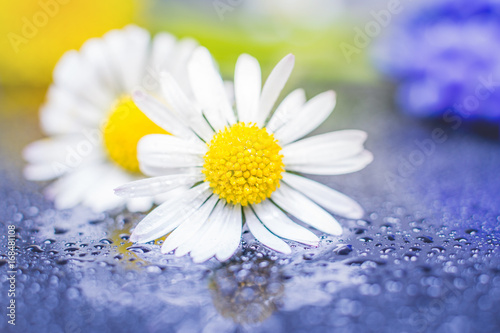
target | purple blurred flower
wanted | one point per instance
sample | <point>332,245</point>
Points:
<point>445,55</point>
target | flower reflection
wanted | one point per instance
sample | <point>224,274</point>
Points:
<point>248,288</point>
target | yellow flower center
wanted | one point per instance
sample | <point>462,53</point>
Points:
<point>124,128</point>
<point>243,164</point>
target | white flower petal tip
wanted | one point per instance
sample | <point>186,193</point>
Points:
<point>334,201</point>
<point>290,59</point>
<point>263,235</point>
<point>134,238</point>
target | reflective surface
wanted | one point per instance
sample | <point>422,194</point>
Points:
<point>424,259</point>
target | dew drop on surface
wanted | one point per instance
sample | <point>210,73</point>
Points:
<point>138,249</point>
<point>471,231</point>
<point>387,250</point>
<point>60,231</point>
<point>425,239</point>
<point>34,248</point>
<point>343,250</point>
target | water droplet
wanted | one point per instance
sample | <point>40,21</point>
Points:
<point>308,256</point>
<point>34,248</point>
<point>359,231</point>
<point>438,249</point>
<point>71,249</point>
<point>61,261</point>
<point>60,231</point>
<point>410,257</point>
<point>425,239</point>
<point>471,231</point>
<point>363,223</point>
<point>138,249</point>
<point>387,250</point>
<point>343,250</point>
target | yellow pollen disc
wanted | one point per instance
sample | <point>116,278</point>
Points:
<point>243,164</point>
<point>124,128</point>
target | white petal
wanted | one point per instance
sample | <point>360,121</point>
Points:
<point>76,76</point>
<point>101,197</point>
<point>139,204</point>
<point>155,171</point>
<point>45,171</point>
<point>281,225</point>
<point>199,242</point>
<point>213,237</point>
<point>247,86</point>
<point>330,199</point>
<point>232,235</point>
<point>55,122</point>
<point>166,144</point>
<point>209,241</point>
<point>263,235</point>
<point>95,54</point>
<point>64,112</point>
<point>273,86</point>
<point>178,64</point>
<point>57,148</point>
<point>152,186</point>
<point>313,113</point>
<point>129,48</point>
<point>287,109</point>
<point>342,136</point>
<point>208,89</point>
<point>69,190</point>
<point>189,226</point>
<point>305,210</point>
<point>177,205</point>
<point>343,166</point>
<point>190,113</point>
<point>50,158</point>
<point>229,87</point>
<point>161,115</point>
<point>162,48</point>
<point>325,148</point>
<point>174,160</point>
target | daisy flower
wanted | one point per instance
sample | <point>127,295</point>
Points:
<point>224,167</point>
<point>92,122</point>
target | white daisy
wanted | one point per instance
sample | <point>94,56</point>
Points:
<point>92,123</point>
<point>225,167</point>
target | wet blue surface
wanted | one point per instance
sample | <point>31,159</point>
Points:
<point>424,259</point>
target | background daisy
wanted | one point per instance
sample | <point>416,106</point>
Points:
<point>92,122</point>
<point>226,167</point>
